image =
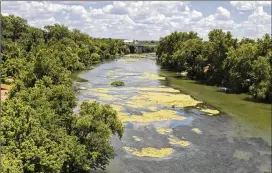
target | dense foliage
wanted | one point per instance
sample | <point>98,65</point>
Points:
<point>242,66</point>
<point>40,132</point>
<point>118,83</point>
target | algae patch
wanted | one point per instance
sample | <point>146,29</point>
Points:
<point>151,76</point>
<point>210,112</point>
<point>103,90</point>
<point>136,138</point>
<point>150,152</point>
<point>160,89</point>
<point>175,141</point>
<point>197,130</point>
<point>152,108</point>
<point>104,96</point>
<point>117,107</point>
<point>163,131</point>
<point>161,115</point>
<point>179,100</point>
<point>111,72</point>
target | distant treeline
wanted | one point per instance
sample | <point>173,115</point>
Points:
<point>39,130</point>
<point>241,66</point>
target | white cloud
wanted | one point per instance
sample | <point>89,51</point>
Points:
<point>222,14</point>
<point>249,5</point>
<point>196,14</point>
<point>141,19</point>
<point>257,24</point>
<point>43,22</point>
<point>118,8</point>
<point>219,20</point>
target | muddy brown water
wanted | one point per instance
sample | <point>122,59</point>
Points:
<point>214,150</point>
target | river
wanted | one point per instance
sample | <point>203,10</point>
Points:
<point>167,131</point>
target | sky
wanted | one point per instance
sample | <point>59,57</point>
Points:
<point>147,20</point>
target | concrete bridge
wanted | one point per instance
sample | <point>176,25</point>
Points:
<point>140,47</point>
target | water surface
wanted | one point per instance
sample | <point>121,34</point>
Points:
<point>216,149</point>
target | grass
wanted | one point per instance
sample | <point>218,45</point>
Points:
<point>117,83</point>
<point>238,106</point>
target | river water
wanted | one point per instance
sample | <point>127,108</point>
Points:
<point>167,131</point>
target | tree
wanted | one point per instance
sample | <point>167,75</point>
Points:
<point>240,66</point>
<point>93,126</point>
<point>260,89</point>
<point>13,27</point>
<point>57,31</point>
<point>264,45</point>
<point>32,37</point>
<point>40,132</point>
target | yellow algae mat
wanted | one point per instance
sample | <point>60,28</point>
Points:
<point>103,90</point>
<point>196,130</point>
<point>118,108</point>
<point>163,131</point>
<point>151,76</point>
<point>152,108</point>
<point>150,152</point>
<point>148,98</point>
<point>136,138</point>
<point>210,111</point>
<point>175,141</point>
<point>159,89</point>
<point>104,96</point>
<point>161,115</point>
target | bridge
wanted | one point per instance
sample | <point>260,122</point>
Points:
<point>141,47</point>
<point>140,44</point>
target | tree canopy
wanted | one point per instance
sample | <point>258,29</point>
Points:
<point>40,131</point>
<point>242,66</point>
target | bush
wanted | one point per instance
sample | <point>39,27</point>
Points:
<point>117,83</point>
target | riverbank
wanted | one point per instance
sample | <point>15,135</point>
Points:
<point>140,55</point>
<point>247,113</point>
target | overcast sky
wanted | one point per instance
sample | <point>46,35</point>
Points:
<point>148,20</point>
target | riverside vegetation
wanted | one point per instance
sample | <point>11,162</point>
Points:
<point>39,130</point>
<point>241,66</point>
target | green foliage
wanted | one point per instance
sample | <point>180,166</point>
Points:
<point>242,66</point>
<point>40,132</point>
<point>261,87</point>
<point>117,83</point>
